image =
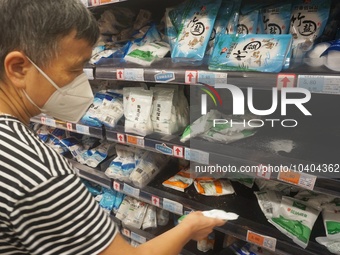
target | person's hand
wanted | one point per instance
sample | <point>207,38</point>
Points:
<point>200,225</point>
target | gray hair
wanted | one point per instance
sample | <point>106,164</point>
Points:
<point>35,27</point>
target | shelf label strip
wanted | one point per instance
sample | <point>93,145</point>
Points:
<point>129,190</point>
<point>172,206</point>
<point>261,240</point>
<point>137,238</point>
<point>320,83</point>
<point>306,181</point>
<point>135,140</point>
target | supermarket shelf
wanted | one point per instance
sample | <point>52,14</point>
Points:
<point>141,236</point>
<point>250,220</point>
<point>308,152</point>
<point>318,80</point>
<point>73,127</point>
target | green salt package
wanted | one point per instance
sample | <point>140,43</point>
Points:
<point>269,202</point>
<point>331,219</point>
<point>332,245</point>
<point>308,21</point>
<point>275,19</point>
<point>252,52</point>
<point>196,28</point>
<point>295,219</point>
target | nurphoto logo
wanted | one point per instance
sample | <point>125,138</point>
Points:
<point>239,104</point>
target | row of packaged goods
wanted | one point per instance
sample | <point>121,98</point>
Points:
<point>292,210</point>
<point>225,35</point>
<point>164,109</point>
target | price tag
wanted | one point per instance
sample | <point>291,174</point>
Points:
<point>299,179</point>
<point>82,129</point>
<point>89,73</point>
<point>313,83</point>
<point>135,140</point>
<point>50,122</point>
<point>128,190</point>
<point>332,85</point>
<point>116,186</point>
<point>137,238</point>
<point>172,206</point>
<point>134,74</point>
<point>197,156</point>
<point>212,78</point>
<point>261,240</point>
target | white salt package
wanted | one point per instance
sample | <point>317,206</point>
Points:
<point>331,219</point>
<point>137,112</point>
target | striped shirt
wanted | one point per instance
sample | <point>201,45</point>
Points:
<point>44,207</point>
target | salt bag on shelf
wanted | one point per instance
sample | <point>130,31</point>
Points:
<point>262,53</point>
<point>194,34</point>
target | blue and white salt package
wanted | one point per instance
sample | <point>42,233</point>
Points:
<point>308,21</point>
<point>247,23</point>
<point>225,21</point>
<point>332,56</point>
<point>275,19</point>
<point>253,52</point>
<point>193,37</point>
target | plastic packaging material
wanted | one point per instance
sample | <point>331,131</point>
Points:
<point>207,243</point>
<point>313,199</point>
<point>247,23</point>
<point>332,245</point>
<point>43,132</point>
<point>262,184</point>
<point>150,219</point>
<point>146,35</point>
<point>314,56</point>
<point>226,19</point>
<point>308,21</point>
<point>170,30</point>
<point>162,217</point>
<point>118,201</point>
<point>137,111</point>
<point>201,125</point>
<point>332,56</point>
<point>179,181</point>
<point>95,156</point>
<point>94,189</point>
<point>213,187</point>
<point>103,54</point>
<point>242,178</point>
<point>269,202</point>
<point>331,219</point>
<point>163,116</point>
<point>123,209</point>
<point>275,19</point>
<point>114,20</point>
<point>136,214</point>
<point>126,161</point>
<point>220,214</point>
<point>150,165</point>
<point>263,53</point>
<point>295,219</point>
<point>108,199</point>
<point>194,33</point>
<point>142,19</point>
<point>146,54</point>
<point>106,109</point>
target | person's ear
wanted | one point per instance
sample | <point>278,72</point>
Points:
<point>16,67</point>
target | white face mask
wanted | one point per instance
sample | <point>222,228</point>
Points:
<point>70,102</point>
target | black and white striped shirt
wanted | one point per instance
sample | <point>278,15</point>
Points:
<point>44,207</point>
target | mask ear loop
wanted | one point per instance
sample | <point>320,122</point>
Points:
<point>47,78</point>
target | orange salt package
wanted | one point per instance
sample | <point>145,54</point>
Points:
<point>179,181</point>
<point>213,187</point>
